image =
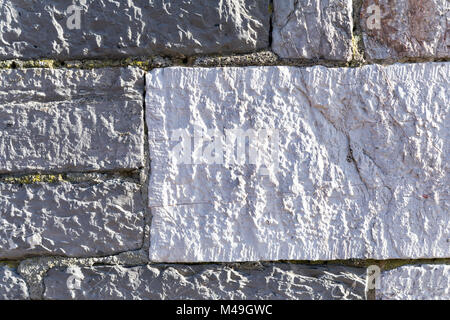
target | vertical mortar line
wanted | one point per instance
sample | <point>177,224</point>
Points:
<point>272,8</point>
<point>145,177</point>
<point>356,29</point>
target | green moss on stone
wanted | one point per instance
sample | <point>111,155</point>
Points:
<point>95,64</point>
<point>34,178</point>
<point>5,64</point>
<point>43,63</point>
<point>145,64</point>
<point>364,263</point>
<point>357,53</point>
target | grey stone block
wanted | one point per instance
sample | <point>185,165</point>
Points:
<point>173,282</point>
<point>401,29</point>
<point>63,120</point>
<point>317,29</point>
<point>12,286</point>
<point>421,282</point>
<point>70,219</point>
<point>33,29</point>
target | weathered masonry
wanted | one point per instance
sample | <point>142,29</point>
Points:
<point>232,149</point>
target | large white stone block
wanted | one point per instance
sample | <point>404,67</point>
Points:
<point>360,168</point>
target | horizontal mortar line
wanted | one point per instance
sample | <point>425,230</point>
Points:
<point>336,261</point>
<point>52,178</point>
<point>36,258</point>
<point>51,172</point>
<point>357,263</point>
<point>216,64</point>
<point>313,262</point>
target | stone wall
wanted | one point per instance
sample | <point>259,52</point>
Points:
<point>233,149</point>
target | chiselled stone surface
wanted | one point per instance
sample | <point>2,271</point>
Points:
<point>91,28</point>
<point>361,169</point>
<point>71,120</point>
<point>12,286</point>
<point>394,29</point>
<point>211,282</point>
<point>317,29</point>
<point>422,282</point>
<point>70,219</point>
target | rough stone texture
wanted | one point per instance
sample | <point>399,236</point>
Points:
<point>212,282</point>
<point>12,286</point>
<point>71,120</point>
<point>70,219</point>
<point>317,29</point>
<point>33,270</point>
<point>424,282</point>
<point>406,29</point>
<point>33,29</point>
<point>362,164</point>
